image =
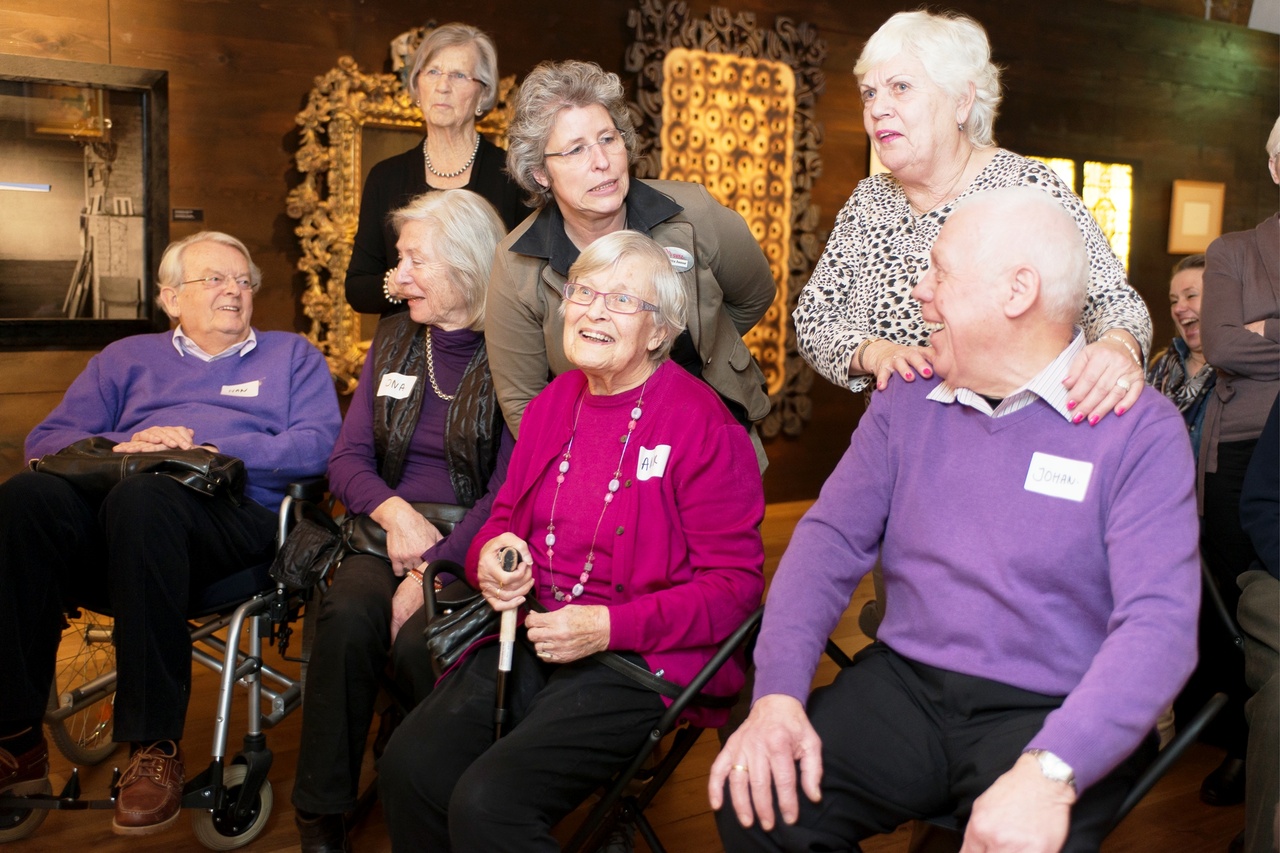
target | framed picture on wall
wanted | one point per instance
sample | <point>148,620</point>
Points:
<point>66,111</point>
<point>1195,216</point>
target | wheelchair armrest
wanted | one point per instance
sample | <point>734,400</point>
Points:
<point>312,489</point>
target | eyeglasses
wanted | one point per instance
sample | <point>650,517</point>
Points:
<point>610,143</point>
<point>454,77</point>
<point>218,280</point>
<point>617,303</point>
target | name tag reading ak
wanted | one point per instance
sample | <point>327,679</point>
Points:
<point>1058,477</point>
<point>396,385</point>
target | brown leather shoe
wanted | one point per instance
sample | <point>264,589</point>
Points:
<point>27,773</point>
<point>150,794</point>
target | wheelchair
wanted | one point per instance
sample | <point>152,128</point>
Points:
<point>231,801</point>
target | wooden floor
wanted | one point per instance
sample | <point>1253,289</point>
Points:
<point>1170,820</point>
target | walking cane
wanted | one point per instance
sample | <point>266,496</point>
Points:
<point>506,648</point>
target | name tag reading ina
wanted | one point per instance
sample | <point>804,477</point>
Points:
<point>396,385</point>
<point>244,389</point>
<point>652,463</point>
<point>1058,477</point>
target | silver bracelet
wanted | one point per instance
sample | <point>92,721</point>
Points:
<point>1122,342</point>
<point>386,287</point>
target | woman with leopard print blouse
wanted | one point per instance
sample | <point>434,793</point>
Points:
<point>930,94</point>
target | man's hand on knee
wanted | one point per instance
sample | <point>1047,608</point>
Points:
<point>1022,811</point>
<point>761,756</point>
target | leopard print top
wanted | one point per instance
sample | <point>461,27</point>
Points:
<point>879,249</point>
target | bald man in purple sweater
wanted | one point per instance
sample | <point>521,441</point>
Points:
<point>1042,574</point>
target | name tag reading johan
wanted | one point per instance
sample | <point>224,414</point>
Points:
<point>1058,477</point>
<point>244,389</point>
<point>652,463</point>
<point>396,385</point>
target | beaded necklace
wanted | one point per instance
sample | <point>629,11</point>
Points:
<point>467,165</point>
<point>614,484</point>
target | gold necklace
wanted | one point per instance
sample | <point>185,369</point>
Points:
<point>946,196</point>
<point>431,371</point>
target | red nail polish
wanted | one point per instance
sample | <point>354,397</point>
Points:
<point>1071,404</point>
<point>1078,418</point>
<point>926,373</point>
<point>907,376</point>
<point>1120,412</point>
<point>1093,420</point>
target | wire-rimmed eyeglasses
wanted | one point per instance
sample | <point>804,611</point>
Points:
<point>618,303</point>
<point>218,280</point>
<point>454,77</point>
<point>610,142</point>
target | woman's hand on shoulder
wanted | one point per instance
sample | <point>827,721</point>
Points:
<point>1104,378</point>
<point>571,633</point>
<point>881,359</point>
<point>502,589</point>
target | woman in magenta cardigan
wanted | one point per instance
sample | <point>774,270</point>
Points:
<point>633,499</point>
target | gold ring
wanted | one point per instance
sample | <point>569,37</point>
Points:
<point>739,767</point>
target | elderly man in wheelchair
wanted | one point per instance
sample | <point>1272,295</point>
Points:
<point>1041,576</point>
<point>144,548</point>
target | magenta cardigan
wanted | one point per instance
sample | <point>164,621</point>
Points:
<point>691,536</point>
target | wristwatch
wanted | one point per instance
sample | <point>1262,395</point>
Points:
<point>1053,767</point>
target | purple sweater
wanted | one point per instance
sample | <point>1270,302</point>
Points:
<point>1095,600</point>
<point>353,467</point>
<point>282,423</point>
<point>689,539</point>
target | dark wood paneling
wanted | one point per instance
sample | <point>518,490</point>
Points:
<point>1177,96</point>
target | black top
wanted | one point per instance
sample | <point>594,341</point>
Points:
<point>392,184</point>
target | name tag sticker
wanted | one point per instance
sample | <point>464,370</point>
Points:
<point>681,261</point>
<point>396,385</point>
<point>1058,477</point>
<point>652,463</point>
<point>244,389</point>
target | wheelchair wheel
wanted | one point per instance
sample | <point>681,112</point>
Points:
<point>19,823</point>
<point>218,830</point>
<point>85,653</point>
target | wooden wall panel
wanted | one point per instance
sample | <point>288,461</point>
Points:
<point>1177,96</point>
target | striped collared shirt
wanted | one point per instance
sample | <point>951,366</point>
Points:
<point>185,346</point>
<point>1047,385</point>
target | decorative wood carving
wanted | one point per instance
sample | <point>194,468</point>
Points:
<point>661,29</point>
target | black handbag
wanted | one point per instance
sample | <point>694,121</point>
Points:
<point>458,616</point>
<point>308,554</point>
<point>362,535</point>
<point>92,466</point>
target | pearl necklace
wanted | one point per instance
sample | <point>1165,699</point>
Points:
<point>467,165</point>
<point>614,484</point>
<point>431,371</point>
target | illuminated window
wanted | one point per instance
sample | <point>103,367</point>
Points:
<point>1108,193</point>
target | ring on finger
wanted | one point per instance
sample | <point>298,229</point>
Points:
<point>741,768</point>
<point>1123,384</point>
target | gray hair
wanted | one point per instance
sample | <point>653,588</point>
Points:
<point>1028,226</point>
<point>954,51</point>
<point>549,89</point>
<point>467,230</point>
<point>173,271</point>
<point>1273,141</point>
<point>611,249</point>
<point>459,35</point>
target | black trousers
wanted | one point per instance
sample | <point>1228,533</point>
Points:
<point>446,785</point>
<point>348,660</point>
<point>902,741</point>
<point>143,552</point>
<point>1227,552</point>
